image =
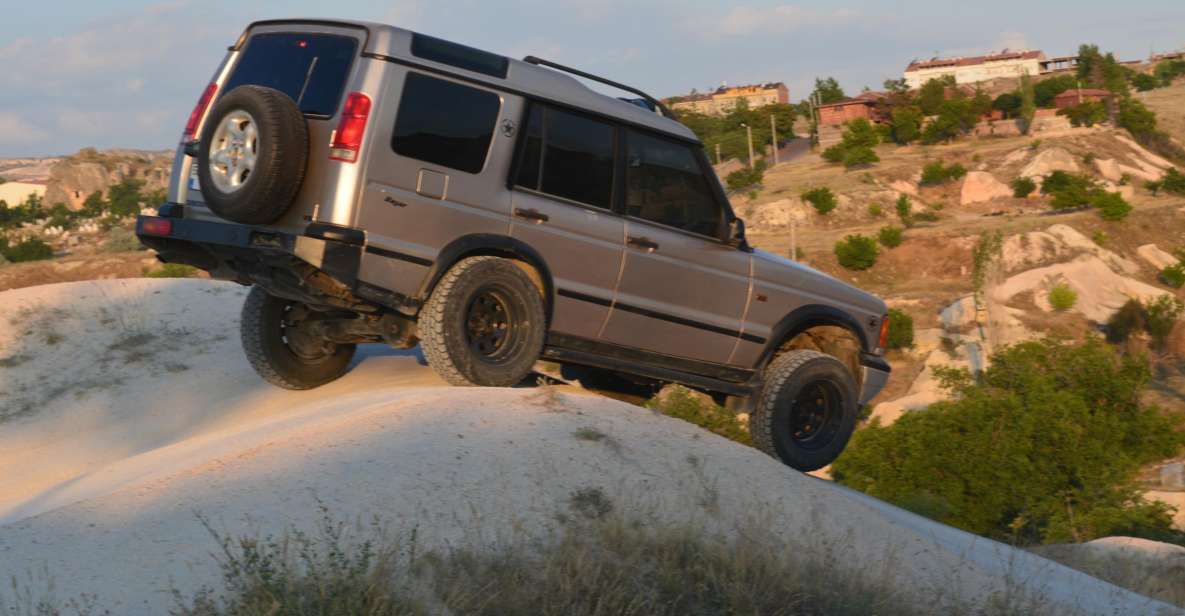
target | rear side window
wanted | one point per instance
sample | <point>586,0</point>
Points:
<point>665,184</point>
<point>569,156</point>
<point>312,69</point>
<point>445,123</point>
<point>460,56</point>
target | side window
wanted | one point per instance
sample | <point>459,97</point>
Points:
<point>569,156</point>
<point>445,123</point>
<point>665,184</point>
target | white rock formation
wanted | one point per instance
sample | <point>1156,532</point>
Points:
<point>1048,161</point>
<point>1157,258</point>
<point>980,186</point>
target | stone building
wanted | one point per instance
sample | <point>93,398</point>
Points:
<point>725,99</point>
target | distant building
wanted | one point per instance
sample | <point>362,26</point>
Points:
<point>15,193</point>
<point>1172,55</point>
<point>725,99</point>
<point>842,112</point>
<point>1077,96</point>
<point>974,69</point>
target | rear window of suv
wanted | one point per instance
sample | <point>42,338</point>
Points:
<point>310,68</point>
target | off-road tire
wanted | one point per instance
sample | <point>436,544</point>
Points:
<point>787,377</point>
<point>263,342</point>
<point>444,324</point>
<point>281,159</point>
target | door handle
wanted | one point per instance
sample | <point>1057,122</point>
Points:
<point>532,215</point>
<point>644,243</point>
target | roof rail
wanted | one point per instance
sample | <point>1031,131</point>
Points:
<point>567,69</point>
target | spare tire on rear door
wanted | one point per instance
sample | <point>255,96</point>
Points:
<point>254,149</point>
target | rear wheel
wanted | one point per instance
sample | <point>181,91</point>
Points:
<point>281,345</point>
<point>806,410</point>
<point>484,324</point>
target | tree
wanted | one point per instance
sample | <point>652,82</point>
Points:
<point>1111,205</point>
<point>124,198</point>
<point>1043,447</point>
<point>889,236</point>
<point>1161,316</point>
<point>1048,89</point>
<point>1008,104</point>
<point>859,137</point>
<point>1028,103</point>
<point>896,86</point>
<point>905,210</point>
<point>905,125</point>
<point>1145,82</point>
<point>828,91</point>
<point>94,205</point>
<point>1086,114</point>
<point>932,94</point>
<point>1022,187</point>
<point>857,252</point>
<point>822,199</point>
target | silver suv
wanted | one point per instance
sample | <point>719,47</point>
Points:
<point>378,185</point>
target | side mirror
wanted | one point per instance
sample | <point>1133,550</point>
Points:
<point>736,234</point>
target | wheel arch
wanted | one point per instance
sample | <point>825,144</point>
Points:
<point>813,317</point>
<point>490,245</point>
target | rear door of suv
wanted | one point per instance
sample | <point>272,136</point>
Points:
<point>562,207</point>
<point>683,291</point>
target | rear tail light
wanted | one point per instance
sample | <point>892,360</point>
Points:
<point>199,111</point>
<point>156,226</point>
<point>884,339</point>
<point>347,139</point>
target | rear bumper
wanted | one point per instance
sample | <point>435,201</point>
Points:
<point>875,374</point>
<point>231,251</point>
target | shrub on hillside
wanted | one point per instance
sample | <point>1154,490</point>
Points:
<point>1111,206</point>
<point>1086,114</point>
<point>1161,316</point>
<point>679,402</point>
<point>900,329</point>
<point>936,173</point>
<point>855,150</point>
<point>1062,297</point>
<point>1022,187</point>
<point>31,249</point>
<point>998,459</point>
<point>1173,182</point>
<point>875,210</point>
<point>172,270</point>
<point>857,252</point>
<point>1174,275</point>
<point>745,178</point>
<point>822,199</point>
<point>905,210</point>
<point>1128,320</point>
<point>890,236</point>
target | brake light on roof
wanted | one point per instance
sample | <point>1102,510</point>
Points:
<point>347,139</point>
<point>199,111</point>
<point>884,339</point>
<point>156,226</point>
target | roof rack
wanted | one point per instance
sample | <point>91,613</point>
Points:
<point>579,73</point>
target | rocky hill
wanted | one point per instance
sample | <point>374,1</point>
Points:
<point>73,178</point>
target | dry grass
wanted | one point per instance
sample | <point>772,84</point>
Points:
<point>1159,578</point>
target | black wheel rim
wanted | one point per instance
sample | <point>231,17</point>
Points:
<point>815,415</point>
<point>490,322</point>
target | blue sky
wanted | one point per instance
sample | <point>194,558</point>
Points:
<point>125,73</point>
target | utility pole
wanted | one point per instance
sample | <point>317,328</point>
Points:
<point>773,136</point>
<point>793,239</point>
<point>717,152</point>
<point>749,131</point>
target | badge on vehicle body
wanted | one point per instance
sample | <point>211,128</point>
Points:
<point>509,128</point>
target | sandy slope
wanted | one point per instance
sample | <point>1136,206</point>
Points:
<point>101,487</point>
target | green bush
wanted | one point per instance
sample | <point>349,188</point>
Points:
<point>31,249</point>
<point>1162,314</point>
<point>1086,114</point>
<point>1062,297</point>
<point>1129,319</point>
<point>1044,447</point>
<point>744,178</point>
<point>875,210</point>
<point>1023,187</point>
<point>682,403</point>
<point>1111,206</point>
<point>861,156</point>
<point>822,199</point>
<point>1099,237</point>
<point>900,329</point>
<point>859,137</point>
<point>857,252</point>
<point>1174,275</point>
<point>905,210</point>
<point>936,173</point>
<point>890,236</point>
<point>1173,182</point>
<point>172,270</point>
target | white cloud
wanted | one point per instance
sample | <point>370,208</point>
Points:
<point>781,19</point>
<point>16,131</point>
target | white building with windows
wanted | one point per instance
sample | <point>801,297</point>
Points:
<point>974,69</point>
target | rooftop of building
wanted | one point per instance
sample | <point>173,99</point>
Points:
<point>1003,56</point>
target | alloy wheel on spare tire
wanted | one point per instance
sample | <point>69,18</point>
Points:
<point>252,155</point>
<point>484,324</point>
<point>806,410</point>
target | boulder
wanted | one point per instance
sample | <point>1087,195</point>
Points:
<point>1048,161</point>
<point>980,186</point>
<point>1157,258</point>
<point>959,315</point>
<point>1056,243</point>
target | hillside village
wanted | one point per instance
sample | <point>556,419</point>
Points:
<point>987,209</point>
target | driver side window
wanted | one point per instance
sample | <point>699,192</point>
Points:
<point>665,184</point>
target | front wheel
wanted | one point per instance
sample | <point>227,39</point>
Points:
<point>806,410</point>
<point>484,324</point>
<point>283,349</point>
